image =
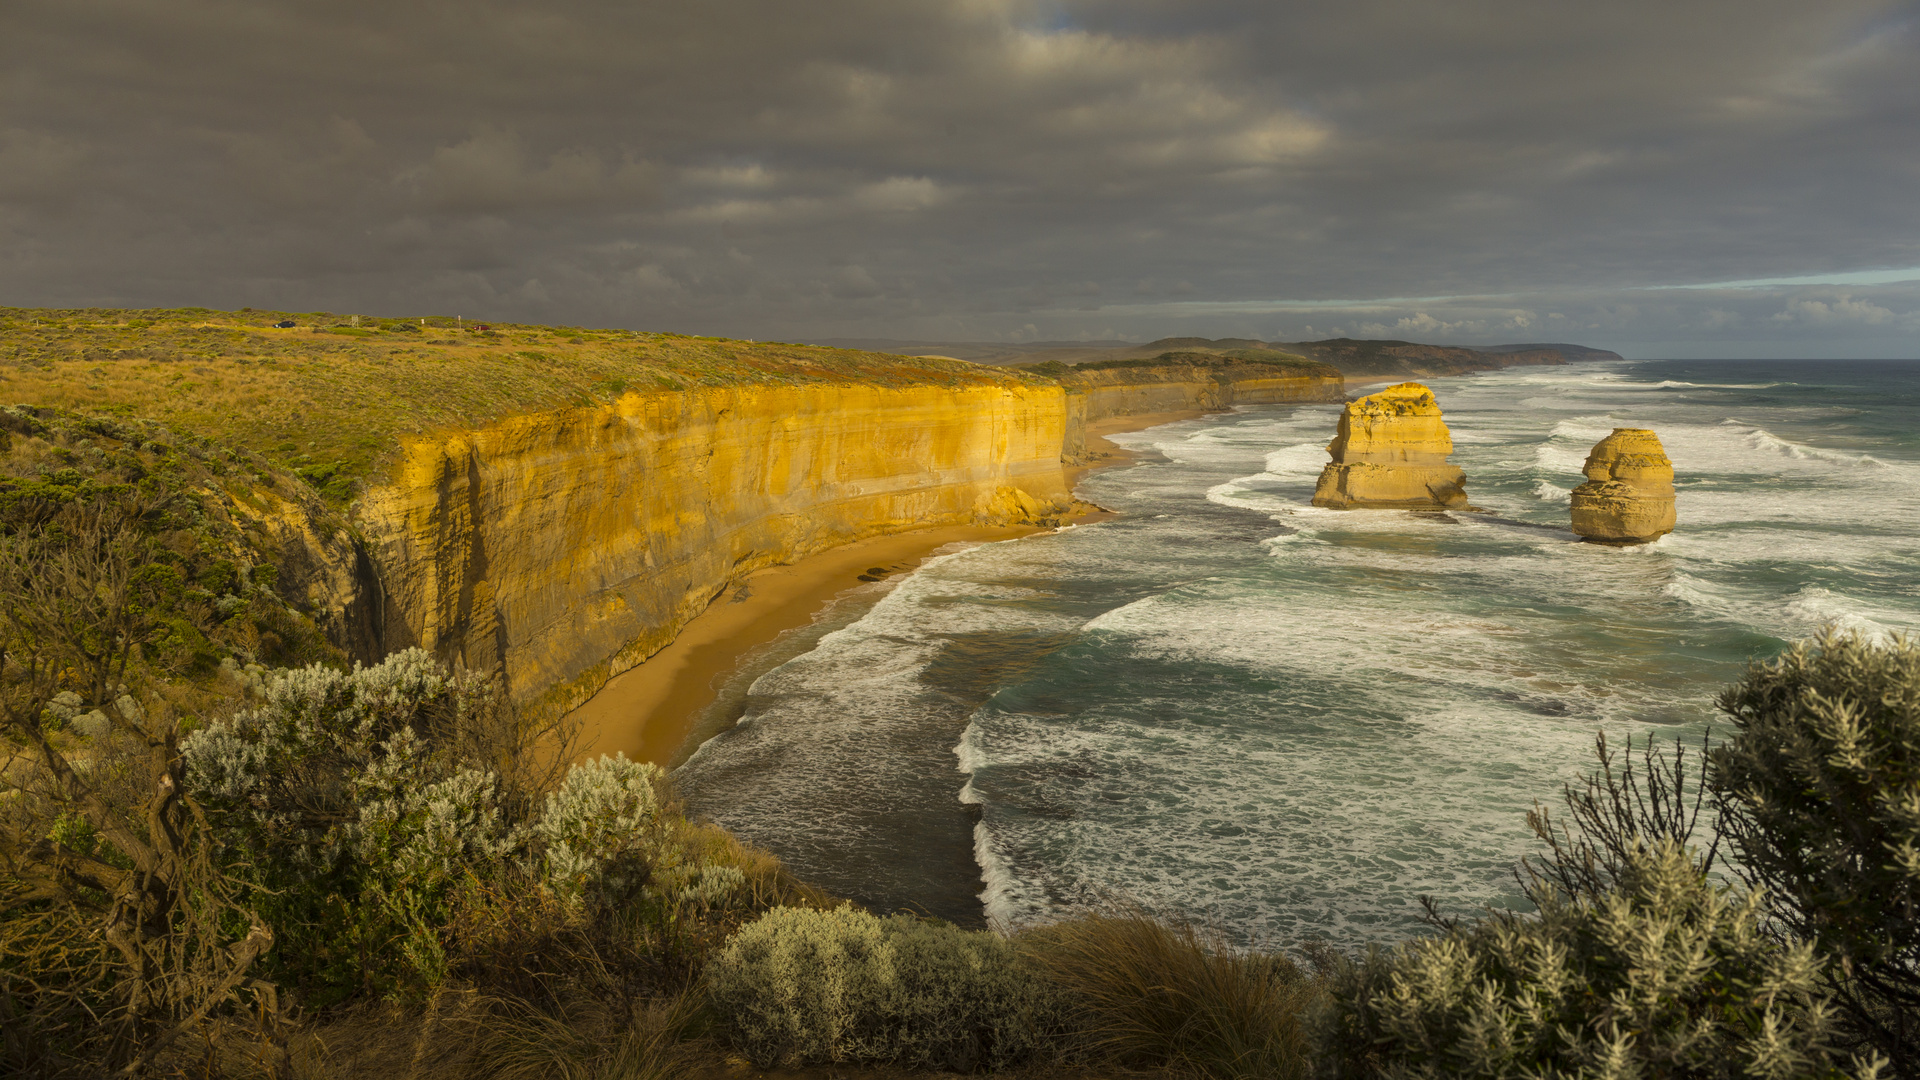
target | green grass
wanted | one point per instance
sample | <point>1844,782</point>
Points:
<point>332,397</point>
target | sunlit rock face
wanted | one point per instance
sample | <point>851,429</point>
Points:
<point>561,548</point>
<point>1628,496</point>
<point>1391,453</point>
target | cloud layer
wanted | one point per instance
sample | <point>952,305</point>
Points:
<point>980,168</point>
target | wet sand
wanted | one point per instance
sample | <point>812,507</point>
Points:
<point>648,712</point>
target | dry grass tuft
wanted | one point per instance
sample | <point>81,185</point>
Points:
<point>463,1034</point>
<point>588,1041</point>
<point>1150,994</point>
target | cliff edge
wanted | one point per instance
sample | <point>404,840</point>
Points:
<point>562,548</point>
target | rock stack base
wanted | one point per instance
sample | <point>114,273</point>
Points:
<point>1391,454</point>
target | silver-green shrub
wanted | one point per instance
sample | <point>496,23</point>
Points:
<point>353,822</point>
<point>346,798</point>
<point>598,829</point>
<point>1666,975</point>
<point>1820,790</point>
<point>800,986</point>
<point>334,768</point>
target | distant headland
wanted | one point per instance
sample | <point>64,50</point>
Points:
<point>1356,358</point>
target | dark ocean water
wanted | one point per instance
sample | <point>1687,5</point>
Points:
<point>1293,722</point>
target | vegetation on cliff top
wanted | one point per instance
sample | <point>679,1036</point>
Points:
<point>331,395</point>
<point>1226,364</point>
<point>214,527</point>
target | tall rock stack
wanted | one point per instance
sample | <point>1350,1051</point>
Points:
<point>1391,453</point>
<point>1628,496</point>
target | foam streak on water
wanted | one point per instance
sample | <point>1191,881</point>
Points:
<point>1292,722</point>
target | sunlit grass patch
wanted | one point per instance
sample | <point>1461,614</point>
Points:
<point>333,394</point>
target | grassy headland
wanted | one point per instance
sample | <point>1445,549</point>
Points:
<point>329,396</point>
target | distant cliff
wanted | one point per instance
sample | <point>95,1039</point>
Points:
<point>1183,381</point>
<point>1354,357</point>
<point>1399,359</point>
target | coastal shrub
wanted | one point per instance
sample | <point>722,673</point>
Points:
<point>353,820</point>
<point>1668,974</point>
<point>800,986</point>
<point>393,835</point>
<point>1632,799</point>
<point>118,926</point>
<point>599,828</point>
<point>1150,994</point>
<point>1820,789</point>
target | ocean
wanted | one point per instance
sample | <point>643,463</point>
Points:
<point>1290,723</point>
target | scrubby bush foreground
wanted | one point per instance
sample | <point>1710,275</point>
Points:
<point>801,987</point>
<point>1665,974</point>
<point>388,834</point>
<point>1793,957</point>
<point>277,872</point>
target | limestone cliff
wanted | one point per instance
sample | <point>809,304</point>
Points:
<point>1391,453</point>
<point>561,548</point>
<point>1177,382</point>
<point>1628,497</point>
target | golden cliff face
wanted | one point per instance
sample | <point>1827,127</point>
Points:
<point>1628,497</point>
<point>1391,453</point>
<point>565,547</point>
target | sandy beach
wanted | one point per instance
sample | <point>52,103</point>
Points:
<point>648,712</point>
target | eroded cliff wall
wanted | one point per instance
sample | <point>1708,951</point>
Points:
<point>1136,391</point>
<point>564,547</point>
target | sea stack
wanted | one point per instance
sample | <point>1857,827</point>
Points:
<point>1391,453</point>
<point>1628,496</point>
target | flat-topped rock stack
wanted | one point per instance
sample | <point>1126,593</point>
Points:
<point>1391,453</point>
<point>1628,496</point>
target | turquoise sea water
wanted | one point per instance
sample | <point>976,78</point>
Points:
<point>1292,722</point>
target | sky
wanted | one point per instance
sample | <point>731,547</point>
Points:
<point>1736,178</point>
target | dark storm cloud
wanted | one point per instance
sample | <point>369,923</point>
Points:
<point>977,169</point>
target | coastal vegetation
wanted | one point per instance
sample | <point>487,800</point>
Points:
<point>228,850</point>
<point>241,868</point>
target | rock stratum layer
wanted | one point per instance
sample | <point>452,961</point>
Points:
<point>1628,497</point>
<point>1391,453</point>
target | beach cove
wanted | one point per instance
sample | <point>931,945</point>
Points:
<point>660,710</point>
<point>1291,721</point>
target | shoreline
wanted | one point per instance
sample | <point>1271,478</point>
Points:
<point>649,711</point>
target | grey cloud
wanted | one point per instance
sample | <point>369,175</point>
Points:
<point>983,164</point>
